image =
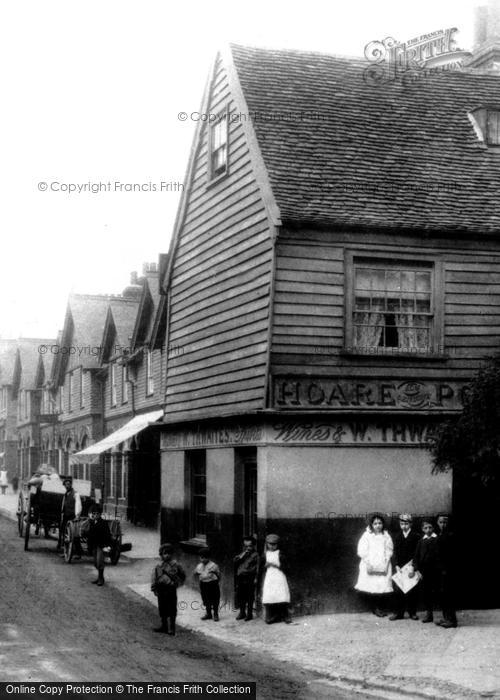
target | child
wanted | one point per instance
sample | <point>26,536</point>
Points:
<point>246,567</point>
<point>166,578</point>
<point>375,550</point>
<point>447,562</point>
<point>275,591</point>
<point>426,561</point>
<point>96,530</point>
<point>209,576</point>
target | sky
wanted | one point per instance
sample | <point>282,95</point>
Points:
<point>91,93</point>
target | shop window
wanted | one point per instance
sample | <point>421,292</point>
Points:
<point>391,307</point>
<point>198,479</point>
<point>218,138</point>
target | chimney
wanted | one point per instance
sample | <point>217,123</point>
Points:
<point>149,267</point>
<point>486,56</point>
<point>134,289</point>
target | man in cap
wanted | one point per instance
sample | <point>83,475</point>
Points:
<point>405,545</point>
<point>71,508</point>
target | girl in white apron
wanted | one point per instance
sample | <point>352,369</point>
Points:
<point>275,590</point>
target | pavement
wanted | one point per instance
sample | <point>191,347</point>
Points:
<point>369,655</point>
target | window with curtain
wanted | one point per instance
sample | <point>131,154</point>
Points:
<point>392,307</point>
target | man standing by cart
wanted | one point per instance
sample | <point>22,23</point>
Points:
<point>71,508</point>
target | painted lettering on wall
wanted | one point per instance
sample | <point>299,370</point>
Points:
<point>321,392</point>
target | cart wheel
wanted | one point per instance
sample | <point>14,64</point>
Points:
<point>20,515</point>
<point>116,550</point>
<point>28,524</point>
<point>68,543</point>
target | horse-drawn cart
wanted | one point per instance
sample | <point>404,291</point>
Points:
<point>39,509</point>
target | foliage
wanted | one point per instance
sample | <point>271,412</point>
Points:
<point>470,443</point>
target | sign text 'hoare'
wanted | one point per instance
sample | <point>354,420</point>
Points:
<point>325,393</point>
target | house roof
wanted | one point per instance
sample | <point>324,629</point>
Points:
<point>82,332</point>
<point>121,318</point>
<point>30,360</point>
<point>8,350</point>
<point>340,151</point>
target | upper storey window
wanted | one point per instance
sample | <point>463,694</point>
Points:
<point>393,307</point>
<point>218,142</point>
<point>486,123</point>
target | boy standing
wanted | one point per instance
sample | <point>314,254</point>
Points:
<point>246,567</point>
<point>209,576</point>
<point>98,537</point>
<point>166,578</point>
<point>426,561</point>
<point>447,556</point>
<point>405,545</point>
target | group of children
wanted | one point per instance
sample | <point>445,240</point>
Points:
<point>250,570</point>
<point>428,557</point>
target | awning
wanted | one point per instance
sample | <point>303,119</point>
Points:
<point>91,454</point>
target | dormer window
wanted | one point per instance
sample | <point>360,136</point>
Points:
<point>218,139</point>
<point>486,123</point>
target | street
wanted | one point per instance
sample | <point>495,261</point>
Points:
<point>56,626</point>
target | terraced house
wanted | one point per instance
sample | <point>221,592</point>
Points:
<point>333,287</point>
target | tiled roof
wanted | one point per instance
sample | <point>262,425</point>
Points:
<point>124,316</point>
<point>360,155</point>
<point>30,357</point>
<point>88,312</point>
<point>8,350</point>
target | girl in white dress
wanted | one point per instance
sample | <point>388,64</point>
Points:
<point>275,590</point>
<point>375,550</point>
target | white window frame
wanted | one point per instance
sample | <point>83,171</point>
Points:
<point>355,259</point>
<point>112,382</point>
<point>150,384</point>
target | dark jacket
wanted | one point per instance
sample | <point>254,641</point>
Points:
<point>404,547</point>
<point>246,565</point>
<point>97,533</point>
<point>447,552</point>
<point>167,575</point>
<point>68,505</point>
<point>427,555</point>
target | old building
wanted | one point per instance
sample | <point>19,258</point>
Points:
<point>333,286</point>
<point>131,360</point>
<point>8,408</point>
<point>28,379</point>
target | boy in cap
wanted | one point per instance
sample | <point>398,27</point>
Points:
<point>96,530</point>
<point>208,574</point>
<point>167,576</point>
<point>246,566</point>
<point>275,590</point>
<point>405,545</point>
<point>426,561</point>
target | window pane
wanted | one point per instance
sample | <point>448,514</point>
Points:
<point>378,280</point>
<point>408,281</point>
<point>393,281</point>
<point>363,279</point>
<point>494,127</point>
<point>423,282</point>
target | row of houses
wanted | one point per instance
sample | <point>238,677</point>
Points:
<point>332,286</point>
<point>104,371</point>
